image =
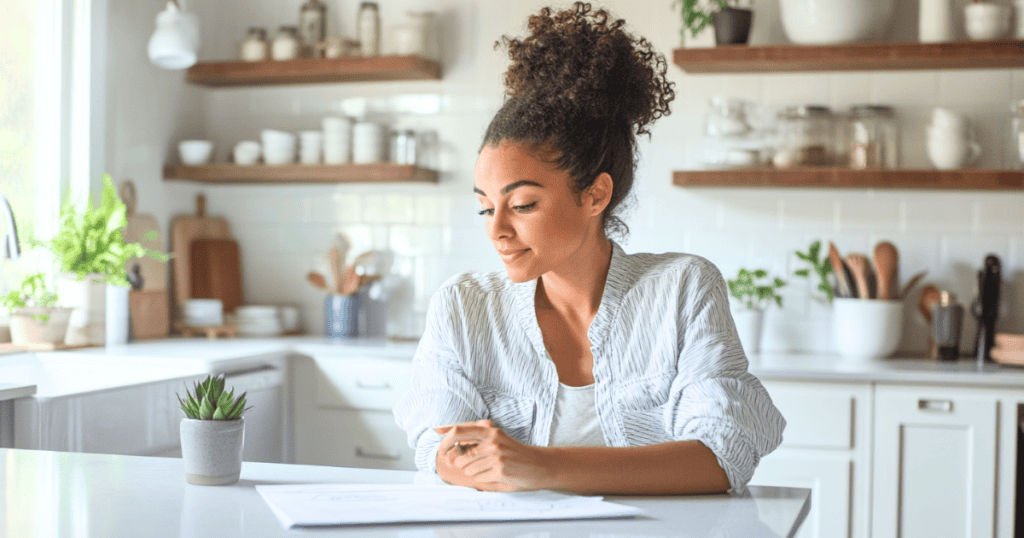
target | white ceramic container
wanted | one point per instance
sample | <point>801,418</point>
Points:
<point>247,152</point>
<point>278,147</point>
<point>310,146</point>
<point>826,22</point>
<point>211,450</point>
<point>867,328</point>
<point>117,315</point>
<point>934,21</point>
<point>195,152</point>
<point>367,143</point>
<point>986,21</point>
<point>749,325</point>
<point>25,330</point>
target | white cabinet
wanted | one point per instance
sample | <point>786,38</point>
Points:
<point>826,447</point>
<point>935,467</point>
<point>343,416</point>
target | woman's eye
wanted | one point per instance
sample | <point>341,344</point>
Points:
<point>524,208</point>
<point>485,212</point>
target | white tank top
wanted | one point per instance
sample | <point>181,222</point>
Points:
<point>575,420</point>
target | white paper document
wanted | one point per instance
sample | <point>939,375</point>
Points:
<point>303,505</point>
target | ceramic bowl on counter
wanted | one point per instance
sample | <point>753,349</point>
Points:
<point>258,320</point>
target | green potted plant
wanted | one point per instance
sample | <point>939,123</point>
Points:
<point>754,292</point>
<point>91,257</point>
<point>34,318</point>
<point>212,433</point>
<point>821,267</point>
<point>731,20</point>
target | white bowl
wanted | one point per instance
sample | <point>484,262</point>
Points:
<point>827,22</point>
<point>247,152</point>
<point>986,21</point>
<point>195,152</point>
<point>278,147</point>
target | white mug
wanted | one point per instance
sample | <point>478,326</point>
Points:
<point>367,143</point>
<point>985,21</point>
<point>310,144</point>
<point>278,147</point>
<point>952,153</point>
<point>944,119</point>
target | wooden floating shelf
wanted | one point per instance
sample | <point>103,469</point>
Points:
<point>300,173</point>
<point>852,57</point>
<point>841,178</point>
<point>355,69</point>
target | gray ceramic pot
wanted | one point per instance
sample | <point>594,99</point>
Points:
<point>212,450</point>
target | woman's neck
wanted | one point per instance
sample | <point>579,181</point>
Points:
<point>575,288</point>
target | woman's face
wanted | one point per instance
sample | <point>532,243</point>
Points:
<point>532,218</point>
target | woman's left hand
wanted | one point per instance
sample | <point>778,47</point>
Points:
<point>489,460</point>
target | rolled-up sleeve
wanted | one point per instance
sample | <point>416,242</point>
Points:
<point>440,393</point>
<point>713,398</point>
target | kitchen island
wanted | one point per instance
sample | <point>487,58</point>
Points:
<point>97,495</point>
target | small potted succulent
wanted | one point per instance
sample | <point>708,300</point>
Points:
<point>212,433</point>
<point>731,21</point>
<point>753,297</point>
<point>34,318</point>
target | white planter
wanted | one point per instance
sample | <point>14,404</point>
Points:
<point>867,328</point>
<point>211,450</point>
<point>828,22</point>
<point>25,330</point>
<point>87,299</point>
<point>749,324</point>
<point>117,315</point>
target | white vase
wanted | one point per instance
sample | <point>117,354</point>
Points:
<point>26,331</point>
<point>749,324</point>
<point>87,299</point>
<point>117,315</point>
<point>211,450</point>
<point>829,22</point>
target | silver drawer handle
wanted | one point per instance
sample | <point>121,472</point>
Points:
<point>393,456</point>
<point>939,406</point>
<point>383,385</point>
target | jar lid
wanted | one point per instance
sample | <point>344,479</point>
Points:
<point>872,110</point>
<point>368,5</point>
<point>808,111</point>
<point>288,30</point>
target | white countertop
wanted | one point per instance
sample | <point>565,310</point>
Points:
<point>824,367</point>
<point>10,391</point>
<point>98,495</point>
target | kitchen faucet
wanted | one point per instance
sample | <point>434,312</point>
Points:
<point>11,248</point>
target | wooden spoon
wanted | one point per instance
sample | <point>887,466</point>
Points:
<point>861,269</point>
<point>337,267</point>
<point>318,281</point>
<point>839,268</point>
<point>886,260</point>
<point>929,296</point>
<point>910,284</point>
<point>351,282</point>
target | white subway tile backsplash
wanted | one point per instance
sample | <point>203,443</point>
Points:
<point>938,212</point>
<point>786,89</point>
<point>745,209</point>
<point>975,89</point>
<point>868,211</point>
<point>808,210</point>
<point>999,212</point>
<point>340,206</point>
<point>416,241</point>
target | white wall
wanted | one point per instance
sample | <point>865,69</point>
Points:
<point>284,230</point>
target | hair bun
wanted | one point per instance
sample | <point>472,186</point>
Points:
<point>580,63</point>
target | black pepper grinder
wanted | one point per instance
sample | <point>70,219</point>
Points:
<point>986,308</point>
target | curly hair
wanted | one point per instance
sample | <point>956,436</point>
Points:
<point>579,91</point>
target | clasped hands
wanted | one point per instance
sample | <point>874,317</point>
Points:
<point>482,456</point>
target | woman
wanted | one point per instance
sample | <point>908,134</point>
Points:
<point>581,368</point>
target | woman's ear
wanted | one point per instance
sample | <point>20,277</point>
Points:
<point>600,193</point>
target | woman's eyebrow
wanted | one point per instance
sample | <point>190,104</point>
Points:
<point>510,187</point>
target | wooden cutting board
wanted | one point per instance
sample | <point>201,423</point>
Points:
<point>184,230</point>
<point>143,229</point>
<point>216,271</point>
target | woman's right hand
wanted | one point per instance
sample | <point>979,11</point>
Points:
<point>482,456</point>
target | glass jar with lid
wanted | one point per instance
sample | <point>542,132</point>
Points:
<point>286,44</point>
<point>254,48</point>
<point>1017,135</point>
<point>807,137</point>
<point>872,137</point>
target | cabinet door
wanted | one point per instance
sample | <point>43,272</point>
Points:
<point>825,447</point>
<point>935,463</point>
<point>826,474</point>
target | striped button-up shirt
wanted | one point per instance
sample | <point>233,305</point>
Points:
<point>667,364</point>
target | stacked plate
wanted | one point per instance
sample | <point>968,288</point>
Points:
<point>254,320</point>
<point>204,313</point>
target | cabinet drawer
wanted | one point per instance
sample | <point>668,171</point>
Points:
<point>817,416</point>
<point>361,383</point>
<point>366,439</point>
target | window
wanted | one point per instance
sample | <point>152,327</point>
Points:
<point>30,125</point>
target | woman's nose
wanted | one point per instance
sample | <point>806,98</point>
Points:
<point>499,227</point>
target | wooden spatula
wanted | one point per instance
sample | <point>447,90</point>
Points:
<point>886,259</point>
<point>839,268</point>
<point>861,270</point>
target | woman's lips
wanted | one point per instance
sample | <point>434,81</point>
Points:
<point>509,255</point>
